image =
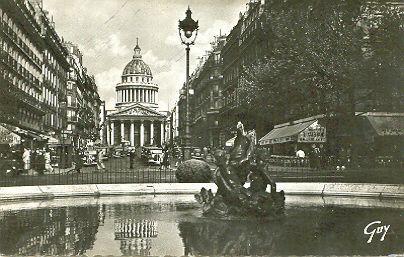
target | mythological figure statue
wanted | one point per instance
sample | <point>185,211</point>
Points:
<point>232,198</point>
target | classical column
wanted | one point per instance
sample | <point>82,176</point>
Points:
<point>150,96</point>
<point>122,130</point>
<point>108,132</point>
<point>149,99</point>
<point>141,133</point>
<point>112,132</point>
<point>152,132</point>
<point>146,94</point>
<point>132,133</point>
<point>162,133</point>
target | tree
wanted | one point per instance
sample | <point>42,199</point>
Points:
<point>326,57</point>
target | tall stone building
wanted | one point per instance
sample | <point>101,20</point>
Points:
<point>136,120</point>
<point>34,69</point>
<point>54,69</point>
<point>21,50</point>
<point>206,83</point>
<point>245,44</point>
<point>83,101</point>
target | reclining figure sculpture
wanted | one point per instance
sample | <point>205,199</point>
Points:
<point>232,199</point>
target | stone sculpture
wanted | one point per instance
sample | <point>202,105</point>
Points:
<point>232,199</point>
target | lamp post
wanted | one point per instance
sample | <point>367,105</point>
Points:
<point>188,30</point>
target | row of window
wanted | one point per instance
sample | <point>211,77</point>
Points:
<point>51,120</point>
<point>52,61</point>
<point>231,75</point>
<point>51,77</point>
<point>20,59</point>
<point>137,79</point>
<point>22,84</point>
<point>29,117</point>
<point>49,97</point>
<point>7,21</point>
<point>137,95</point>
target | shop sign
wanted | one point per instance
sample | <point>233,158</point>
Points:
<point>315,133</point>
<point>391,132</point>
<point>8,137</point>
<point>282,140</point>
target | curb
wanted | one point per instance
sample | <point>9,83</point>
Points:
<point>97,190</point>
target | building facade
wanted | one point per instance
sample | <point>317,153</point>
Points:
<point>245,45</point>
<point>55,67</point>
<point>42,86</point>
<point>22,47</point>
<point>136,120</point>
<point>206,82</point>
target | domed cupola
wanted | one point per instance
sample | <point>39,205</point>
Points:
<point>137,66</point>
<point>137,84</point>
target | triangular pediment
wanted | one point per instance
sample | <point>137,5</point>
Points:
<point>136,110</point>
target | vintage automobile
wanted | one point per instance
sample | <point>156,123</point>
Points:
<point>151,155</point>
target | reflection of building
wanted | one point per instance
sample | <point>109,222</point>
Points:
<point>136,119</point>
<point>135,236</point>
<point>62,231</point>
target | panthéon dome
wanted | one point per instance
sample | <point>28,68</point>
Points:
<point>137,66</point>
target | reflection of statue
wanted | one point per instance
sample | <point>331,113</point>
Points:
<point>232,199</point>
<point>229,237</point>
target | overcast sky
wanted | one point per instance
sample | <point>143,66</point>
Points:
<point>106,31</point>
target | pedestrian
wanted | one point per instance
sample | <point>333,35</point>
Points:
<point>314,157</point>
<point>26,158</point>
<point>300,154</point>
<point>78,159</point>
<point>131,158</point>
<point>165,161</point>
<point>100,161</point>
<point>47,157</point>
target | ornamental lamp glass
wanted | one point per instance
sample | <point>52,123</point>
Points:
<point>188,28</point>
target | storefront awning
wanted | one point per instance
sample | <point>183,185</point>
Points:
<point>305,131</point>
<point>24,133</point>
<point>51,140</point>
<point>8,137</point>
<point>386,124</point>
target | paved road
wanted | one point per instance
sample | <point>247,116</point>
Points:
<point>119,165</point>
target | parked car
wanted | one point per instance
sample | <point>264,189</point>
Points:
<point>152,155</point>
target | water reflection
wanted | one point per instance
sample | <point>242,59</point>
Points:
<point>49,231</point>
<point>172,227</point>
<point>135,236</point>
<point>330,230</point>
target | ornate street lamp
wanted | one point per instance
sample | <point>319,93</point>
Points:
<point>188,30</point>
